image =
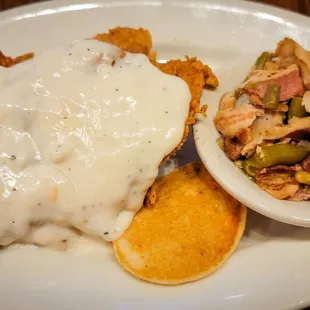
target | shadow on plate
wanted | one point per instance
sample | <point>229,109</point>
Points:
<point>187,154</point>
<point>260,229</point>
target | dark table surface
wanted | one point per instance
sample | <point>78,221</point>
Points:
<point>300,6</point>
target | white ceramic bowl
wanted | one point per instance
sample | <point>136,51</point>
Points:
<point>224,170</point>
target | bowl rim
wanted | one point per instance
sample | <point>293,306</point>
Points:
<point>231,178</point>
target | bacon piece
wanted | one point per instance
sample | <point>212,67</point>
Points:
<point>232,148</point>
<point>288,49</point>
<point>280,184</point>
<point>306,164</point>
<point>259,128</point>
<point>288,79</point>
<point>232,123</point>
<point>302,194</point>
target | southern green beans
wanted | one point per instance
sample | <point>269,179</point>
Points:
<point>280,154</point>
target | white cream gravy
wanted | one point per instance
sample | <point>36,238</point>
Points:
<point>82,134</point>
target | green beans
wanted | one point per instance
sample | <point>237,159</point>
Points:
<point>250,166</point>
<point>220,143</point>
<point>271,97</point>
<point>296,109</point>
<point>303,177</point>
<point>262,59</point>
<point>280,154</point>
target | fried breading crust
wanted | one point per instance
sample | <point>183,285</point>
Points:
<point>128,39</point>
<point>196,74</point>
<point>6,61</point>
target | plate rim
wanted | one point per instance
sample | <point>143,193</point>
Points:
<point>268,11</point>
<point>21,12</point>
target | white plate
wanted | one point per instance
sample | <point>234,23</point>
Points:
<point>270,269</point>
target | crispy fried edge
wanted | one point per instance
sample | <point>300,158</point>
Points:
<point>196,75</point>
<point>6,61</point>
